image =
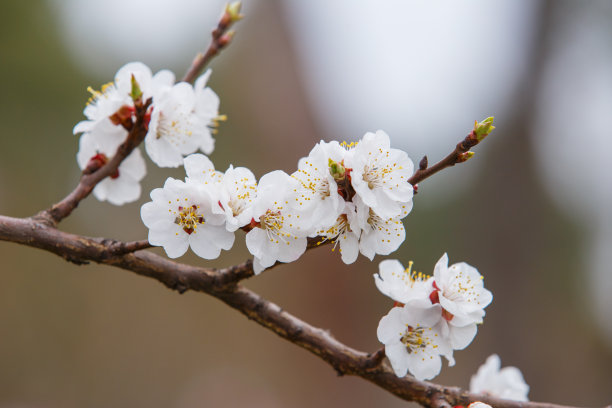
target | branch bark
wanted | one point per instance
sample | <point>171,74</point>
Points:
<point>180,277</point>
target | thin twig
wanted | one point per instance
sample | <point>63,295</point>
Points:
<point>456,156</point>
<point>221,37</point>
<point>89,181</point>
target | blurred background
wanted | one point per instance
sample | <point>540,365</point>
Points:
<point>531,210</point>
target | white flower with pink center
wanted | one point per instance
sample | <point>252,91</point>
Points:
<point>459,289</point>
<point>379,174</point>
<point>113,102</point>
<point>507,382</point>
<point>180,216</point>
<point>413,340</point>
<point>97,148</point>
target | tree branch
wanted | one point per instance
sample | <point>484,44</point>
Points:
<point>181,277</point>
<point>91,177</point>
<point>221,37</point>
<point>459,155</point>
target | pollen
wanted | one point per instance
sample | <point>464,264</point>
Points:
<point>189,218</point>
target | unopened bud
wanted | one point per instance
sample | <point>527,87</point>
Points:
<point>336,169</point>
<point>233,10</point>
<point>226,39</point>
<point>482,129</point>
<point>423,163</point>
<point>463,157</point>
<point>136,93</point>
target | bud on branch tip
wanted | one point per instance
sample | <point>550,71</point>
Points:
<point>136,92</point>
<point>482,129</point>
<point>233,11</point>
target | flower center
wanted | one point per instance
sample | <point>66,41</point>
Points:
<point>376,173</point>
<point>272,222</point>
<point>415,339</point>
<point>340,228</point>
<point>413,276</point>
<point>189,219</point>
<point>174,130</point>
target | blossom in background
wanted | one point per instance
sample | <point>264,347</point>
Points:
<point>402,285</point>
<point>499,382</point>
<point>99,146</point>
<point>181,216</point>
<point>379,174</point>
<point>413,340</point>
<point>479,404</point>
<point>278,231</point>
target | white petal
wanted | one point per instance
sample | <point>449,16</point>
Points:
<point>398,356</point>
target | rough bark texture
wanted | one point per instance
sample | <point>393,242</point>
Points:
<point>224,285</point>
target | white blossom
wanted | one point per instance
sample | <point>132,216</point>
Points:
<point>479,404</point>
<point>176,129</point>
<point>379,174</point>
<point>317,191</point>
<point>238,192</point>
<point>115,96</point>
<point>379,235</point>
<point>180,216</point>
<point>100,144</point>
<point>499,382</point>
<point>460,291</point>
<point>400,284</point>
<point>200,169</point>
<point>237,188</point>
<point>413,340</point>
<point>344,233</point>
<point>278,231</point>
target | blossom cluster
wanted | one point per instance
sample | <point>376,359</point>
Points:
<point>353,196</point>
<point>178,122</point>
<point>433,316</point>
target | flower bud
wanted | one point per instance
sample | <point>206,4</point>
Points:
<point>226,39</point>
<point>233,10</point>
<point>336,169</point>
<point>463,157</point>
<point>136,92</point>
<point>482,129</point>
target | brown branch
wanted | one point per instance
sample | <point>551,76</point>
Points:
<point>459,155</point>
<point>90,179</point>
<point>221,37</point>
<point>181,277</point>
